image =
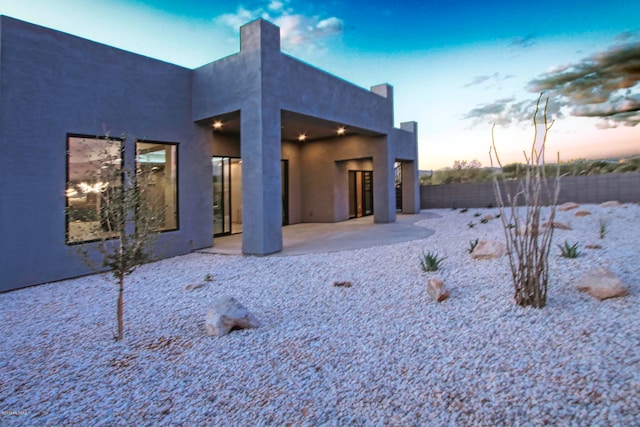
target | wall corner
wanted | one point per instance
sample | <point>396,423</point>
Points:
<point>259,35</point>
<point>409,126</point>
<point>385,90</point>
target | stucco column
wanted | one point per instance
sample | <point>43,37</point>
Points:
<point>410,188</point>
<point>384,188</point>
<point>410,179</point>
<point>261,179</point>
<point>260,144</point>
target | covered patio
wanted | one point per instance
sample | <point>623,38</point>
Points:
<point>357,233</point>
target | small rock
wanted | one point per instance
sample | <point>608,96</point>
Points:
<point>601,283</point>
<point>193,286</point>
<point>227,314</point>
<point>611,204</point>
<point>582,213</point>
<point>558,225</point>
<point>437,290</point>
<point>593,246</point>
<point>342,284</point>
<point>568,206</point>
<point>488,249</point>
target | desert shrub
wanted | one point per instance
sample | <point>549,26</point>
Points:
<point>460,175</point>
<point>628,167</point>
<point>472,245</point>
<point>602,230</point>
<point>426,179</point>
<point>574,168</point>
<point>568,250</point>
<point>527,247</point>
<point>431,261</point>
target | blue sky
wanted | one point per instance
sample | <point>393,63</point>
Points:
<point>457,67</point>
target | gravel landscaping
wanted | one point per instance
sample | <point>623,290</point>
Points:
<point>377,353</point>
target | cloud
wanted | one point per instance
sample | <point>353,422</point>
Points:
<point>623,110</point>
<point>604,85</point>
<point>276,5</point>
<point>493,78</point>
<point>330,26</point>
<point>235,20</point>
<point>510,111</point>
<point>627,36</point>
<point>524,42</point>
<point>296,30</point>
<point>477,80</point>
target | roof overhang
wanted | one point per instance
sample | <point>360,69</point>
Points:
<point>293,125</point>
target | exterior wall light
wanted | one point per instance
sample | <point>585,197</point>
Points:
<point>217,124</point>
<point>341,130</point>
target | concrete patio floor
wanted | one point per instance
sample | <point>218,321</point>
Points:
<point>358,233</point>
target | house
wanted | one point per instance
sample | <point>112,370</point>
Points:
<point>248,143</point>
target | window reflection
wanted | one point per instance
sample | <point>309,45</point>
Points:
<point>93,165</point>
<point>94,175</point>
<point>156,162</point>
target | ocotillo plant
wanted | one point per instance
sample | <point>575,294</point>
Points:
<point>528,246</point>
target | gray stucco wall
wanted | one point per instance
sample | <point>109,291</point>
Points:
<point>405,150</point>
<point>52,84</point>
<point>624,187</point>
<point>324,183</point>
<point>261,82</point>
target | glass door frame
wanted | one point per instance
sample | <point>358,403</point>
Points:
<point>224,203</point>
<point>360,193</point>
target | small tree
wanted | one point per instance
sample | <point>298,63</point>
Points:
<point>129,220</point>
<point>528,245</point>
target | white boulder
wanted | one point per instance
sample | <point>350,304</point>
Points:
<point>601,283</point>
<point>227,314</point>
<point>488,249</point>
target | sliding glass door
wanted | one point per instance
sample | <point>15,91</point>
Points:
<point>227,195</point>
<point>360,193</point>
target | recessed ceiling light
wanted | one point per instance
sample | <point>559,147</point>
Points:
<point>302,137</point>
<point>217,124</point>
<point>341,130</point>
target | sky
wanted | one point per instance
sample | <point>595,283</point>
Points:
<point>462,69</point>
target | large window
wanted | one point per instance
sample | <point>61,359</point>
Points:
<point>93,172</point>
<point>95,175</point>
<point>157,162</point>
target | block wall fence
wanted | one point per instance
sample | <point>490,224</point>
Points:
<point>623,187</point>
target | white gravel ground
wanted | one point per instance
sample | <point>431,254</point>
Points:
<point>378,353</point>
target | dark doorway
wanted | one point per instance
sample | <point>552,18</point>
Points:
<point>397,166</point>
<point>285,192</point>
<point>360,193</point>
